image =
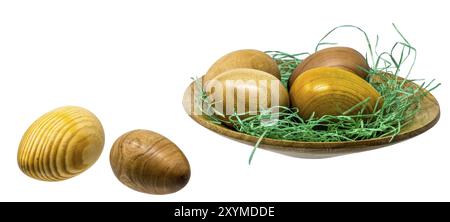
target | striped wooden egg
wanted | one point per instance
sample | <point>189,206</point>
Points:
<point>332,91</point>
<point>61,144</point>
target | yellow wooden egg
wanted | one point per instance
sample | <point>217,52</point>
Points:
<point>331,91</point>
<point>246,91</point>
<point>61,144</point>
<point>340,57</point>
<point>149,162</point>
<point>246,58</point>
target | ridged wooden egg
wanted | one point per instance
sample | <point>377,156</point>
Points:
<point>331,91</point>
<point>61,144</point>
<point>341,57</point>
<point>246,91</point>
<point>149,162</point>
<point>246,58</point>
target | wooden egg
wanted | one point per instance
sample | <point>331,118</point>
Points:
<point>148,162</point>
<point>246,91</point>
<point>331,91</point>
<point>341,57</point>
<point>247,58</point>
<point>61,144</point>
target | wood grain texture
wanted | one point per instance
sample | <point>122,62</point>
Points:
<point>246,58</point>
<point>423,121</point>
<point>148,162</point>
<point>257,86</point>
<point>342,57</point>
<point>61,144</point>
<point>331,91</point>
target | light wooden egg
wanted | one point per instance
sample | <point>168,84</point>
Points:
<point>61,144</point>
<point>149,162</point>
<point>252,91</point>
<point>331,91</point>
<point>341,57</point>
<point>246,58</point>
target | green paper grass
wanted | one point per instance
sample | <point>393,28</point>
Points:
<point>401,101</point>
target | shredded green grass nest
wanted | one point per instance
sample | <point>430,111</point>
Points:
<point>401,101</point>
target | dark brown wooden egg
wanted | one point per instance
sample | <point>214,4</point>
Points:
<point>341,57</point>
<point>149,162</point>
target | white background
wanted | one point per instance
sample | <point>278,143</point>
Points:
<point>130,61</point>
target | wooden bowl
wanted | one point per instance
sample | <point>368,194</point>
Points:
<point>424,120</point>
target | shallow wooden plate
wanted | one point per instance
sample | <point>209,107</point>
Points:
<point>424,120</point>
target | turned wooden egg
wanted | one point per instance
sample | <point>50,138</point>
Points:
<point>245,91</point>
<point>341,57</point>
<point>61,144</point>
<point>149,162</point>
<point>246,58</point>
<point>331,91</point>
